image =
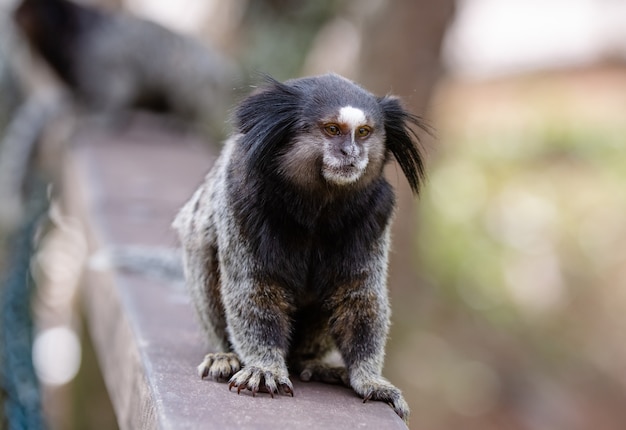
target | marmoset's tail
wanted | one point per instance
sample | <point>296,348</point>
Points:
<point>156,262</point>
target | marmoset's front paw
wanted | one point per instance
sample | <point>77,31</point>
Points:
<point>219,366</point>
<point>378,388</point>
<point>256,378</point>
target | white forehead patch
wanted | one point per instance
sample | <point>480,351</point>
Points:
<point>351,116</point>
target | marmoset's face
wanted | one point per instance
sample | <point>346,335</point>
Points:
<point>348,138</point>
<point>344,147</point>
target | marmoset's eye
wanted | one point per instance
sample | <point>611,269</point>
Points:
<point>332,129</point>
<point>363,131</point>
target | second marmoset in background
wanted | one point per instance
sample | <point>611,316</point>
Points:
<point>285,244</point>
<point>116,62</point>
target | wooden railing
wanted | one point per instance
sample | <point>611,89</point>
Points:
<point>126,188</point>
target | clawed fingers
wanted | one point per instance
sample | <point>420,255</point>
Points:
<point>381,390</point>
<point>219,366</point>
<point>258,380</point>
<point>287,388</point>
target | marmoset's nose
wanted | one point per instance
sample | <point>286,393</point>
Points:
<point>349,149</point>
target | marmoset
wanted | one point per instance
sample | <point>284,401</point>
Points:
<point>285,244</point>
<point>116,62</point>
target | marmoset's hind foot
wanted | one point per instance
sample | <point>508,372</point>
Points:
<point>260,379</point>
<point>380,389</point>
<point>316,370</point>
<point>219,366</point>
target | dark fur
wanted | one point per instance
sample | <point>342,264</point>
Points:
<point>283,223</point>
<point>55,28</point>
<point>401,140</point>
<point>301,263</point>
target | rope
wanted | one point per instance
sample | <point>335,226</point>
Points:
<point>19,384</point>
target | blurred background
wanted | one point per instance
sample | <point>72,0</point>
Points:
<point>508,275</point>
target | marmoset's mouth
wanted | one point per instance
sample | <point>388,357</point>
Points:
<point>344,173</point>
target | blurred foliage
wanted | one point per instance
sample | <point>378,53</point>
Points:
<point>521,248</point>
<point>278,34</point>
<point>521,222</point>
<point>91,405</point>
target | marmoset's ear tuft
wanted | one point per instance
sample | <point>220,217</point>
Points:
<point>402,141</point>
<point>267,121</point>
